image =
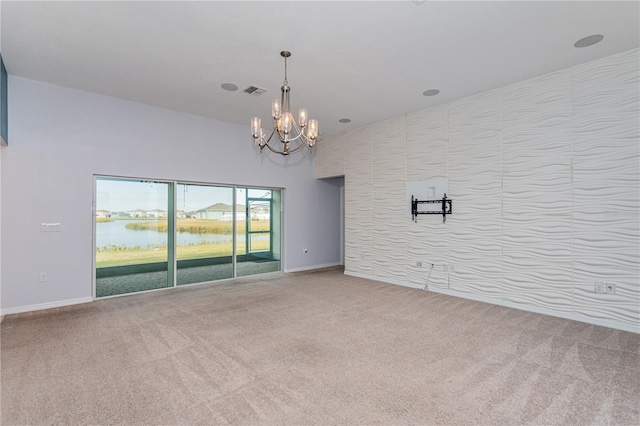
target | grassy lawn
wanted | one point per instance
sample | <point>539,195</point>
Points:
<point>132,256</point>
<point>198,226</point>
<point>121,255</point>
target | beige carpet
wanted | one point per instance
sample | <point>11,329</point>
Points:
<point>312,348</point>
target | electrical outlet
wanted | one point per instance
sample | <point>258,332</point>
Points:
<point>611,288</point>
<point>447,268</point>
<point>43,277</point>
<point>418,264</point>
<point>599,287</point>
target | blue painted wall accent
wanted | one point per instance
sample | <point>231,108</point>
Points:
<point>4,128</point>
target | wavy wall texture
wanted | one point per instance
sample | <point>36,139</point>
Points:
<point>474,186</point>
<point>426,157</point>
<point>606,181</point>
<point>545,180</point>
<point>330,157</point>
<point>427,143</point>
<point>358,194</point>
<point>536,180</point>
<point>389,188</point>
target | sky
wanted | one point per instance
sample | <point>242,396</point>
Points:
<point>125,195</point>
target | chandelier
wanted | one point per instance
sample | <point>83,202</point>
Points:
<point>301,133</point>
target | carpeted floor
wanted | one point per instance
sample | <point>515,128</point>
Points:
<point>312,348</point>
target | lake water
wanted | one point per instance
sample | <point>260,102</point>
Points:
<point>116,233</point>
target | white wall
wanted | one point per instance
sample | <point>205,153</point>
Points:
<point>545,181</point>
<point>61,137</point>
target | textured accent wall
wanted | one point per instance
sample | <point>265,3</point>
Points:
<point>330,157</point>
<point>545,180</point>
<point>358,250</point>
<point>606,192</point>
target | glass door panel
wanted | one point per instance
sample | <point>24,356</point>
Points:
<point>259,226</point>
<point>204,233</point>
<point>259,234</point>
<point>132,236</point>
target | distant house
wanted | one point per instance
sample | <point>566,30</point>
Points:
<point>157,213</point>
<point>103,214</point>
<point>138,213</point>
<point>221,211</point>
<point>260,213</point>
<point>120,215</point>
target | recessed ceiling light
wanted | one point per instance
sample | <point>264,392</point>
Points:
<point>345,120</point>
<point>431,92</point>
<point>589,40</point>
<point>229,86</point>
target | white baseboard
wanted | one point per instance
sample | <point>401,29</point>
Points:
<point>545,311</point>
<point>309,268</point>
<point>49,305</point>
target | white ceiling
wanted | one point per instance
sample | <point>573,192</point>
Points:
<point>363,60</point>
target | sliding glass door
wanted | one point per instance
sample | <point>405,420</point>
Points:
<point>132,236</point>
<point>204,229</point>
<point>151,234</point>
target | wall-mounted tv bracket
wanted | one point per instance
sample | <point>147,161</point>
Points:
<point>445,202</point>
